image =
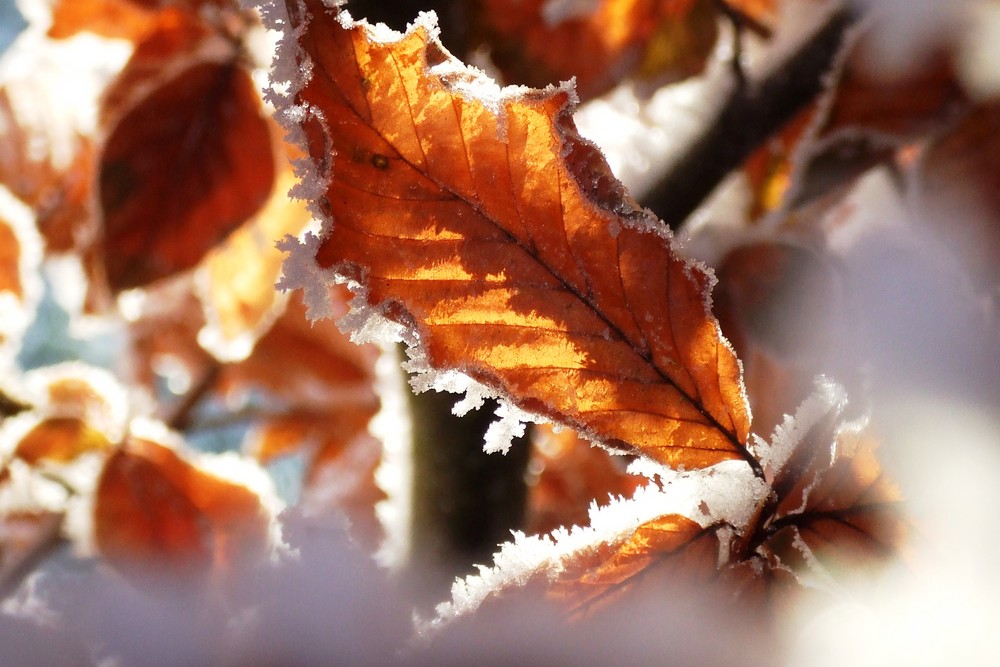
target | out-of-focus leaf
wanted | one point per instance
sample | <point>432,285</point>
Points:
<point>235,282</point>
<point>958,193</point>
<point>60,439</point>
<point>123,19</point>
<point>900,108</point>
<point>20,262</point>
<point>305,389</point>
<point>567,474</point>
<point>761,11</point>
<point>537,45</point>
<point>25,536</point>
<point>57,194</point>
<point>847,513</point>
<point>184,163</point>
<point>492,229</point>
<point>155,510</point>
<point>782,306</point>
<point>769,169</point>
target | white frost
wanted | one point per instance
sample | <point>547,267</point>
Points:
<point>829,398</point>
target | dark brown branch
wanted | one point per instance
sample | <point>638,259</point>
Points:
<point>465,502</point>
<point>754,112</point>
<point>15,568</point>
<point>180,416</point>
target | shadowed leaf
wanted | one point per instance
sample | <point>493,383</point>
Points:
<point>958,193</point>
<point>566,475</point>
<point>235,282</point>
<point>185,163</point>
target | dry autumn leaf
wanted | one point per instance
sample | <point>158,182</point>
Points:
<point>567,475</point>
<point>154,509</point>
<point>536,44</point>
<point>957,193</point>
<point>123,19</point>
<point>846,513</point>
<point>484,222</point>
<point>671,548</point>
<point>183,164</point>
<point>235,281</point>
<point>20,258</point>
<point>60,439</point>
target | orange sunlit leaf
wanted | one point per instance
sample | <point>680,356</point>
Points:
<point>125,19</point>
<point>501,236</point>
<point>183,164</point>
<point>761,11</point>
<point>534,45</point>
<point>769,169</point>
<point>122,19</point>
<point>60,439</point>
<point>154,509</point>
<point>10,261</point>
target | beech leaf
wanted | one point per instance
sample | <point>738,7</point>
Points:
<point>482,221</point>
<point>155,509</point>
<point>184,164</point>
<point>846,512</point>
<point>535,43</point>
<point>671,547</point>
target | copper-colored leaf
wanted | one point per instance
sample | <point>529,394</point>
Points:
<point>501,236</point>
<point>123,19</point>
<point>769,169</point>
<point>60,439</point>
<point>760,11</point>
<point>567,475</point>
<point>236,280</point>
<point>57,193</point>
<point>667,551</point>
<point>301,361</point>
<point>154,509</point>
<point>183,165</point>
<point>848,513</point>
<point>534,45</point>
<point>10,261</point>
<point>20,273</point>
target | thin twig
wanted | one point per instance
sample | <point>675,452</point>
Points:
<point>180,417</point>
<point>753,113</point>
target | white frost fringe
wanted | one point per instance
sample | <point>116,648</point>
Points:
<point>725,493</point>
